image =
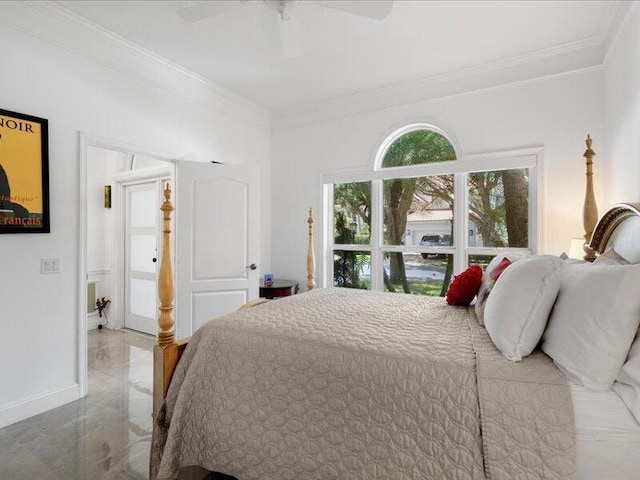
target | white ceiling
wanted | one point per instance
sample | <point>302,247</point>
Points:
<point>343,53</point>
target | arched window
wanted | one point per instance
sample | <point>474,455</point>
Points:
<point>417,147</point>
<point>423,213</point>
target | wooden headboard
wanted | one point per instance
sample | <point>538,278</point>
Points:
<point>619,228</point>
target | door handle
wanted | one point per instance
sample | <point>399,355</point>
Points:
<point>253,266</point>
<point>154,259</point>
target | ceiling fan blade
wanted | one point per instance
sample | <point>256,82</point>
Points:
<point>204,10</point>
<point>290,38</point>
<point>376,9</point>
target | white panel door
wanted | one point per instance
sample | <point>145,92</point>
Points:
<point>217,241</point>
<point>141,254</point>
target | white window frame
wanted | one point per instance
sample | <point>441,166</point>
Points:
<point>530,158</point>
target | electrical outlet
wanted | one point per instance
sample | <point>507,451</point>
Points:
<point>49,265</point>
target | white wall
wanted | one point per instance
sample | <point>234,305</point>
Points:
<point>556,113</point>
<point>39,314</point>
<point>102,164</point>
<point>622,112</point>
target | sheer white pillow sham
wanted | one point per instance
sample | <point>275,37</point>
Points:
<point>593,322</point>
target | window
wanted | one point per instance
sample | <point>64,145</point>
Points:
<point>423,213</point>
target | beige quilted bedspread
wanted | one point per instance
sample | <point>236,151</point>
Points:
<point>344,384</point>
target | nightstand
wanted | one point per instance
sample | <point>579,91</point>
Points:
<point>279,288</point>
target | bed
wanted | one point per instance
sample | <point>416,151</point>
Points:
<point>344,384</point>
<point>607,434</point>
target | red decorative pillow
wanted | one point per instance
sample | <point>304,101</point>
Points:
<point>465,286</point>
<point>496,272</point>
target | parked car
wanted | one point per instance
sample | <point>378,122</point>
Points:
<point>434,241</point>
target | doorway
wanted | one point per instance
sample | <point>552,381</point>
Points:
<point>122,231</point>
<point>216,228</point>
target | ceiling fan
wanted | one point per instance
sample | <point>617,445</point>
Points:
<point>288,27</point>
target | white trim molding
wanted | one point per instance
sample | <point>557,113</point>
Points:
<point>54,24</point>
<point>91,273</point>
<point>616,23</point>
<point>17,411</point>
<point>583,61</point>
<point>581,56</point>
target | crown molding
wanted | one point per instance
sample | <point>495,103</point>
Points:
<point>565,59</point>
<point>618,20</point>
<point>608,19</point>
<point>554,61</point>
<point>57,26</point>
<point>54,24</point>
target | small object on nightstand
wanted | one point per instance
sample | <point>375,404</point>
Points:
<point>268,279</point>
<point>278,288</point>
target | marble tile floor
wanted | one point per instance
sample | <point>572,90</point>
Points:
<point>104,436</point>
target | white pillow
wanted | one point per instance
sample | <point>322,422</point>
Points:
<point>518,308</point>
<point>593,322</point>
<point>488,281</point>
<point>569,261</point>
<point>512,256</point>
<point>627,384</point>
<point>610,257</point>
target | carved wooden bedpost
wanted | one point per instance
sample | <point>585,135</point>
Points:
<point>311,259</point>
<point>166,333</point>
<point>590,209</point>
<point>167,353</point>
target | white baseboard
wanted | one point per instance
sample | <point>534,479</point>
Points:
<point>22,409</point>
<point>93,321</point>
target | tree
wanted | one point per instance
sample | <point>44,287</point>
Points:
<point>352,223</point>
<point>516,205</point>
<point>486,203</point>
<point>499,203</point>
<point>398,195</point>
<point>354,201</point>
<point>346,268</point>
<point>413,148</point>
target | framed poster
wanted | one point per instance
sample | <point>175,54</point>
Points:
<point>24,173</point>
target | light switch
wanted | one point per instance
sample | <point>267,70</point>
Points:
<point>49,265</point>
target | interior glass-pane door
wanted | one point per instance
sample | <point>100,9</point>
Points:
<point>141,257</point>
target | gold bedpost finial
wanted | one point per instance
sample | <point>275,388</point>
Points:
<point>311,259</point>
<point>590,209</point>
<point>166,333</point>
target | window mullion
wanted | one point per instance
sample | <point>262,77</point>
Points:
<point>460,221</point>
<point>377,222</point>
<point>327,252</point>
<point>535,203</point>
